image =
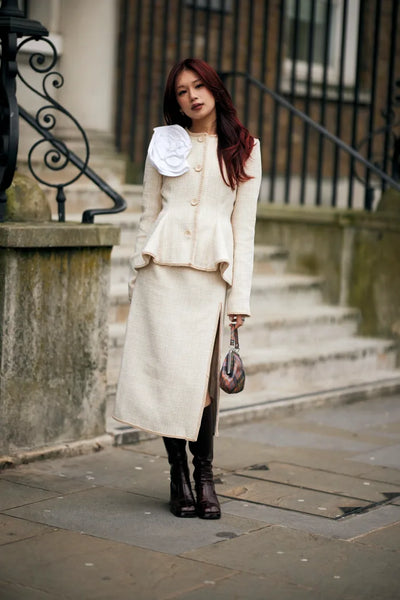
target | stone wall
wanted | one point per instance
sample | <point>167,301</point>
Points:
<point>54,287</point>
<point>357,253</point>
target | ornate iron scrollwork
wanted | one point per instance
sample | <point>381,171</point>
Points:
<point>49,149</point>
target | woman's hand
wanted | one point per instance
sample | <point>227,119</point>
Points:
<point>236,321</point>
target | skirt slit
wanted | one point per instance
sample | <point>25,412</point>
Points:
<point>172,350</point>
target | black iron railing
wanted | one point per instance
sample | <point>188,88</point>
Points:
<point>49,150</point>
<point>335,61</point>
<point>52,159</point>
<point>370,167</point>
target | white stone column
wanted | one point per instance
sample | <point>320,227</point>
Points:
<point>88,62</point>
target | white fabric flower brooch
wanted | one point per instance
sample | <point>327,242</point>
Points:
<point>169,149</point>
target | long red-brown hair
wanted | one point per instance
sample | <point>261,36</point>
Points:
<point>234,141</point>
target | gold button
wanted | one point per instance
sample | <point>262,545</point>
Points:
<point>194,202</point>
<point>200,139</point>
<point>198,168</point>
<point>188,233</point>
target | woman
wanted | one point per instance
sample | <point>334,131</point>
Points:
<point>195,240</point>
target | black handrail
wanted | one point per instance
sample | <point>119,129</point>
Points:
<point>322,130</point>
<point>88,215</point>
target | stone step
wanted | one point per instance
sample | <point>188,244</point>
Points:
<point>267,291</point>
<point>128,223</point>
<point>293,367</point>
<point>325,364</point>
<point>120,257</point>
<point>275,328</point>
<point>286,290</point>
<point>267,260</point>
<point>284,325</point>
<point>270,259</point>
<point>249,406</point>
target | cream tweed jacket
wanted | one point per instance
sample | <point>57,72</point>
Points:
<point>196,220</point>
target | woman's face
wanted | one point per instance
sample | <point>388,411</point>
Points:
<point>194,98</point>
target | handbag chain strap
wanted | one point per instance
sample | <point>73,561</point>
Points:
<point>234,338</point>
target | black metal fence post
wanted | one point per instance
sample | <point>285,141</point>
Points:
<point>13,24</point>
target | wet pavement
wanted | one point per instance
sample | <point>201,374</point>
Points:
<point>311,510</point>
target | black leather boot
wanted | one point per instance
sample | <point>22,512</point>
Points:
<point>182,502</point>
<point>207,502</point>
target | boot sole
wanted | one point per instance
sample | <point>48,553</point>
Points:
<point>184,515</point>
<point>210,517</point>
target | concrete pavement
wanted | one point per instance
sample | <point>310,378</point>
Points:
<point>311,510</point>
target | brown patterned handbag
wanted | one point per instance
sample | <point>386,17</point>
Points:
<point>232,375</point>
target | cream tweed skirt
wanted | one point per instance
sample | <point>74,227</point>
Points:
<point>172,350</point>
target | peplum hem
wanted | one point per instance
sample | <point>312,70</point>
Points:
<point>221,265</point>
<point>214,253</point>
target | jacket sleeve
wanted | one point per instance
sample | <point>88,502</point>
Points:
<point>151,207</point>
<point>243,226</point>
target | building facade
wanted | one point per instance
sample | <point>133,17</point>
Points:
<point>336,60</point>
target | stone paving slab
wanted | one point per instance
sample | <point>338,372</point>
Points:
<point>15,591</point>
<point>388,538</point>
<point>279,435</point>
<point>70,565</point>
<point>377,412</point>
<point>310,561</point>
<point>14,494</point>
<point>254,587</point>
<point>77,467</point>
<point>333,483</point>
<point>289,497</point>
<point>347,528</point>
<point>131,471</point>
<point>32,476</point>
<point>132,519</point>
<point>370,437</point>
<point>332,461</point>
<point>132,547</point>
<point>389,429</point>
<point>386,457</point>
<point>13,529</point>
<point>118,468</point>
<point>229,454</point>
<point>384,474</point>
<point>236,454</point>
